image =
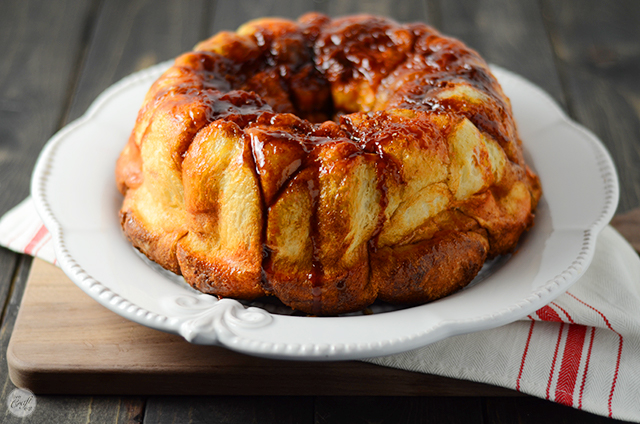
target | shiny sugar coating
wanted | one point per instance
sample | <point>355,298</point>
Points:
<point>328,162</point>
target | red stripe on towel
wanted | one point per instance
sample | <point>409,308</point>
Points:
<point>564,312</point>
<point>546,313</point>
<point>586,368</point>
<point>555,356</point>
<point>570,364</point>
<point>42,231</point>
<point>524,355</point>
<point>620,342</point>
<point>45,240</point>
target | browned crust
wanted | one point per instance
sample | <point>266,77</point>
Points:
<point>439,258</point>
<point>129,167</point>
<point>430,269</point>
<point>335,292</point>
<point>218,277</point>
<point>490,210</point>
<point>159,247</point>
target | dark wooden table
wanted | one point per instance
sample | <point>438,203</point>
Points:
<point>57,56</point>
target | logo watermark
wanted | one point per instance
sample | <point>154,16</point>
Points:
<point>21,402</point>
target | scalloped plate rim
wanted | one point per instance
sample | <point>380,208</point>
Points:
<point>319,351</point>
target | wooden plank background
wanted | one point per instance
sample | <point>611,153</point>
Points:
<point>57,56</point>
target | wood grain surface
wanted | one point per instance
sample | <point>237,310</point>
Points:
<point>64,342</point>
<point>57,56</point>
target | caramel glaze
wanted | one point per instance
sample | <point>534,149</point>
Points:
<point>296,87</point>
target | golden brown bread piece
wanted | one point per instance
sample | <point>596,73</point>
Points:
<point>328,162</point>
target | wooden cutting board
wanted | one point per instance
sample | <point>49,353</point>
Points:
<point>64,342</point>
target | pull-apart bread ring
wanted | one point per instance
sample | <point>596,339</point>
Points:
<point>328,162</point>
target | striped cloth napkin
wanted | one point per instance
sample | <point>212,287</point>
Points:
<point>581,350</point>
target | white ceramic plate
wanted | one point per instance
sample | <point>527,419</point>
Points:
<point>75,194</point>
